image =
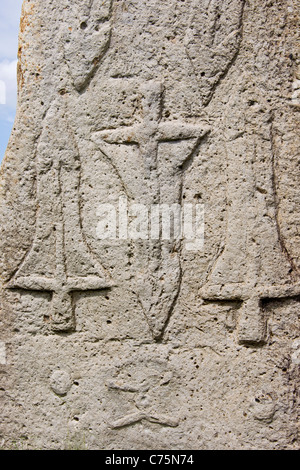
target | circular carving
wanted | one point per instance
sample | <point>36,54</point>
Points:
<point>263,407</point>
<point>60,382</point>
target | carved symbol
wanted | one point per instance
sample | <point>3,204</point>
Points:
<point>151,132</point>
<point>146,395</point>
<point>252,323</point>
<point>59,261</point>
<point>213,40</point>
<point>87,39</point>
<point>140,416</point>
<point>60,382</point>
<point>143,413</point>
<point>237,275</point>
<point>161,180</point>
<point>263,406</point>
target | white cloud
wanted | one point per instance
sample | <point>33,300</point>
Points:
<point>10,12</point>
<point>2,92</point>
<point>8,75</point>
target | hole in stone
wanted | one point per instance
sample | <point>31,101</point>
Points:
<point>83,25</point>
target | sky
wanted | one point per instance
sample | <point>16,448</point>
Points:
<point>10,12</point>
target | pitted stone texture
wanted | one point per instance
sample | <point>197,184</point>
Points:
<point>143,344</point>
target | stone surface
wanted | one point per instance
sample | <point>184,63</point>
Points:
<point>143,343</point>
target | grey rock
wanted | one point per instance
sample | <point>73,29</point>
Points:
<point>144,339</point>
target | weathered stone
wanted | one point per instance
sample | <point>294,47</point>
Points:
<point>116,332</point>
<point>60,382</point>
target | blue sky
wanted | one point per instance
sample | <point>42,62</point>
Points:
<point>10,12</point>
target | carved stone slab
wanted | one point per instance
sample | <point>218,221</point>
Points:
<point>149,216</point>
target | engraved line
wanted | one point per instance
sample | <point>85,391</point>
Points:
<point>294,268</point>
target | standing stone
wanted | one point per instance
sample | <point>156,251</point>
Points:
<point>137,339</point>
